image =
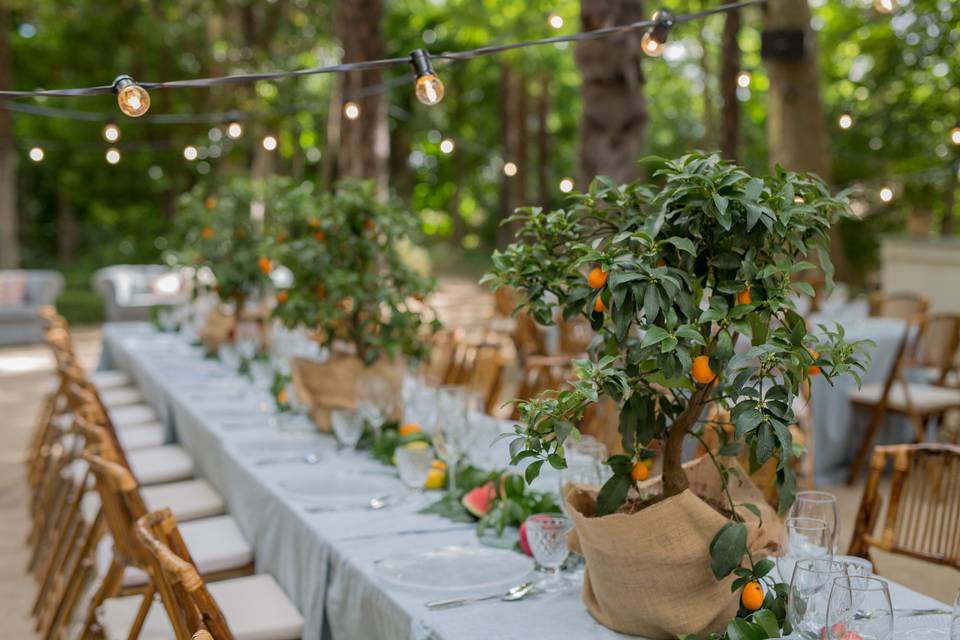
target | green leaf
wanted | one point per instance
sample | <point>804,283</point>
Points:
<point>532,471</point>
<point>740,629</point>
<point>727,549</point>
<point>613,494</point>
<point>654,335</point>
<point>683,244</point>
<point>768,621</point>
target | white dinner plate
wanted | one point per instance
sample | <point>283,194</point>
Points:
<point>929,627</point>
<point>476,569</point>
<point>346,489</point>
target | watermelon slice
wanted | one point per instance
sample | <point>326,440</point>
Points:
<point>479,501</point>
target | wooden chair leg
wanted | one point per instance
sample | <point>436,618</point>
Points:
<point>110,586</point>
<point>80,570</point>
<point>142,612</point>
<point>919,424</point>
<point>864,450</point>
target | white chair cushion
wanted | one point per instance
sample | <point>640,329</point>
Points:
<point>215,544</point>
<point>133,414</point>
<point>160,464</point>
<point>109,379</point>
<point>120,397</point>
<point>187,499</point>
<point>254,607</point>
<point>142,436</point>
<point>924,398</point>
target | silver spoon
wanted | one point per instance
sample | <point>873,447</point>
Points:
<point>904,613</point>
<point>310,458</point>
<point>374,504</point>
<point>516,593</point>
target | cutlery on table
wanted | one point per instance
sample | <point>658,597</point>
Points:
<point>516,593</point>
<point>374,504</point>
<point>905,613</point>
<point>310,458</point>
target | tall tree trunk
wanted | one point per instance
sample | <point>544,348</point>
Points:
<point>614,114</point>
<point>729,70</point>
<point>949,220</point>
<point>514,105</point>
<point>796,126</point>
<point>709,141</point>
<point>457,116</point>
<point>543,141</point>
<point>365,142</point>
<point>328,164</point>
<point>9,232</point>
<point>66,228</point>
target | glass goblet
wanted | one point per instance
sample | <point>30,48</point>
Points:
<point>414,461</point>
<point>547,535</point>
<point>802,539</point>
<point>810,591</point>
<point>955,620</point>
<point>347,427</point>
<point>819,505</point>
<point>859,608</point>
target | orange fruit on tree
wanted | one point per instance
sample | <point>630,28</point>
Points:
<point>409,429</point>
<point>752,596</point>
<point>319,236</point>
<point>744,296</point>
<point>206,233</point>
<point>282,296</point>
<point>321,292</point>
<point>813,369</point>
<point>598,305</point>
<point>281,236</point>
<point>597,278</point>
<point>661,262</point>
<point>210,202</point>
<point>313,222</point>
<point>640,471</point>
<point>282,397</point>
<point>701,370</point>
<point>264,263</point>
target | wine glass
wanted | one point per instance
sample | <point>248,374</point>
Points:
<point>547,535</point>
<point>229,357</point>
<point>810,591</point>
<point>859,607</point>
<point>955,620</point>
<point>414,461</point>
<point>450,430</point>
<point>819,505</point>
<point>347,427</point>
<point>580,471</point>
<point>801,539</point>
<point>375,398</point>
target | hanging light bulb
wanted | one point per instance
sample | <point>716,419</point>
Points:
<point>566,185</point>
<point>269,143</point>
<point>113,155</point>
<point>447,145</point>
<point>428,87</point>
<point>955,135</point>
<point>884,6</point>
<point>133,99</point>
<point>654,41</point>
<point>351,110</point>
<point>234,130</point>
<point>111,132</point>
<point>36,154</point>
<point>743,79</point>
<point>845,121</point>
<point>190,152</point>
<point>510,169</point>
<point>555,21</point>
<point>886,194</point>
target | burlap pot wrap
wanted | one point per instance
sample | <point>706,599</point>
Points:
<point>216,329</point>
<point>648,573</point>
<point>331,385</point>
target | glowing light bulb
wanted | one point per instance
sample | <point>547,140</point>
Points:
<point>351,110</point>
<point>884,6</point>
<point>798,200</point>
<point>234,130</point>
<point>190,152</point>
<point>447,145</point>
<point>886,194</point>
<point>845,121</point>
<point>955,135</point>
<point>651,46</point>
<point>510,169</point>
<point>133,99</point>
<point>36,154</point>
<point>269,143</point>
<point>566,185</point>
<point>743,79</point>
<point>113,155</point>
<point>654,41</point>
<point>111,132</point>
<point>555,21</point>
<point>428,87</point>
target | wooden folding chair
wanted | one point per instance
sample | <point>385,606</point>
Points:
<point>539,374</point>
<point>484,378</point>
<point>935,349</point>
<point>904,305</point>
<point>920,403</point>
<point>923,507</point>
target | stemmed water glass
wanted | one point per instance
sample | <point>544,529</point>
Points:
<point>802,539</point>
<point>450,431</point>
<point>547,536</point>
<point>414,461</point>
<point>810,592</point>
<point>859,607</point>
<point>375,399</point>
<point>819,505</point>
<point>347,427</point>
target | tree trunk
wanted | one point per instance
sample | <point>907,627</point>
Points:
<point>675,479</point>
<point>9,233</point>
<point>709,141</point>
<point>796,126</point>
<point>458,115</point>
<point>614,114</point>
<point>949,220</point>
<point>729,70</point>
<point>66,228</point>
<point>364,142</point>
<point>543,142</point>
<point>514,105</point>
<point>328,165</point>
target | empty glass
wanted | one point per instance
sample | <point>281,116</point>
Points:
<point>810,593</point>
<point>547,535</point>
<point>819,505</point>
<point>376,399</point>
<point>859,608</point>
<point>451,431</point>
<point>229,357</point>
<point>802,539</point>
<point>579,471</point>
<point>414,461</point>
<point>347,427</point>
<point>955,623</point>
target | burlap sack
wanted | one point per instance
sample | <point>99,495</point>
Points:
<point>331,385</point>
<point>648,573</point>
<point>216,329</point>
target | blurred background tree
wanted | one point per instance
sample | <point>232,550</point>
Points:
<point>507,133</point>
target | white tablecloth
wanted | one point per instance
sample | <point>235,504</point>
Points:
<point>325,561</point>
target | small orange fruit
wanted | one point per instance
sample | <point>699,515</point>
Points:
<point>313,223</point>
<point>598,305</point>
<point>438,464</point>
<point>436,478</point>
<point>744,296</point>
<point>813,369</point>
<point>281,236</point>
<point>701,370</point>
<point>264,263</point>
<point>597,278</point>
<point>210,202</point>
<point>648,462</point>
<point>282,296</point>
<point>206,233</point>
<point>752,596</point>
<point>661,262</point>
<point>319,236</point>
<point>640,471</point>
<point>409,429</point>
<point>321,292</point>
<point>282,397</point>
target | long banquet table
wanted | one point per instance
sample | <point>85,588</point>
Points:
<point>325,561</point>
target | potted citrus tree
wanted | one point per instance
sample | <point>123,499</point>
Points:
<point>689,284</point>
<point>352,286</point>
